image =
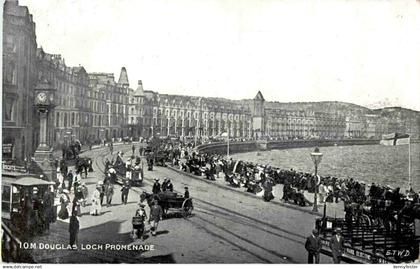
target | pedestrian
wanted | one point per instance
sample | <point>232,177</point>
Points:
<point>75,210</point>
<point>109,192</point>
<point>164,184</point>
<point>186,193</point>
<point>169,186</point>
<point>101,189</point>
<point>74,231</point>
<point>76,181</point>
<point>155,216</point>
<point>313,246</point>
<point>85,193</point>
<point>60,179</point>
<point>337,245</point>
<point>133,149</point>
<point>85,166</point>
<point>70,179</point>
<point>64,201</point>
<point>156,186</point>
<point>48,203</point>
<point>96,202</point>
<point>124,192</point>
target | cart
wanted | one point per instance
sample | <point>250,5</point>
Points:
<point>170,201</point>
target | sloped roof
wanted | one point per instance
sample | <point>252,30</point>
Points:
<point>123,80</point>
<point>259,96</point>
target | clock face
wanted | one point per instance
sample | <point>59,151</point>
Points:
<point>42,97</point>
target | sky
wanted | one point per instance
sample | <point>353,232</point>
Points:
<point>361,51</point>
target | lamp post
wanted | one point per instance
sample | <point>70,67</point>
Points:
<point>316,157</point>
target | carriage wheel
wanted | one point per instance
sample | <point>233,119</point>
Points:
<point>187,207</point>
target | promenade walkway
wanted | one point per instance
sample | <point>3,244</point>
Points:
<point>332,209</point>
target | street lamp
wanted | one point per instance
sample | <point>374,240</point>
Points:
<point>316,157</point>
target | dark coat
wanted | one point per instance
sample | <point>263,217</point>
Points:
<point>155,213</point>
<point>156,188</point>
<point>313,244</point>
<point>74,224</point>
<point>170,187</point>
<point>337,247</point>
<point>48,204</point>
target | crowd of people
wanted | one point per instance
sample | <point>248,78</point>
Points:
<point>381,200</point>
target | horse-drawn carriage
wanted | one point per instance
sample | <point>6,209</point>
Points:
<point>170,201</point>
<point>71,151</point>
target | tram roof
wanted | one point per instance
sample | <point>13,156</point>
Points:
<point>26,180</point>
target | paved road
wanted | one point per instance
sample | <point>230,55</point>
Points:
<point>230,227</point>
<point>226,227</point>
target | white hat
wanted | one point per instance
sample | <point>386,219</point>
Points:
<point>66,191</point>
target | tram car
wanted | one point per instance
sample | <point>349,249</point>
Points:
<point>28,204</point>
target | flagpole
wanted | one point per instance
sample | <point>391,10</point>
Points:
<point>409,162</point>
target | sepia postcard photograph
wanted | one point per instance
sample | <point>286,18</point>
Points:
<point>210,132</point>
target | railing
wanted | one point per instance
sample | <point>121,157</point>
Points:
<point>371,244</point>
<point>11,247</point>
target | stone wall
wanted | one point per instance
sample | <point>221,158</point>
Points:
<point>237,147</point>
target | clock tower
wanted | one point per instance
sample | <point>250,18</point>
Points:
<point>44,103</point>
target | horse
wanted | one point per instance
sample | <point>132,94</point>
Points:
<point>149,197</point>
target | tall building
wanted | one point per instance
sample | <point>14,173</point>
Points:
<point>113,103</point>
<point>71,118</point>
<point>20,131</point>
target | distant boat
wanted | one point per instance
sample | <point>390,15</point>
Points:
<point>395,139</point>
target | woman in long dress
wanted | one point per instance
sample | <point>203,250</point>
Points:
<point>96,202</point>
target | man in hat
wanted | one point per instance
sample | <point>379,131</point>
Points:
<point>337,245</point>
<point>164,184</point>
<point>169,186</point>
<point>186,193</point>
<point>155,216</point>
<point>156,186</point>
<point>124,192</point>
<point>313,246</point>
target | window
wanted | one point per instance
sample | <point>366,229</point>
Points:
<point>8,109</point>
<point>57,119</point>
<point>10,43</point>
<point>10,73</point>
<point>65,119</point>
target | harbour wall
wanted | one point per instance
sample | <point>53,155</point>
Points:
<point>261,145</point>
